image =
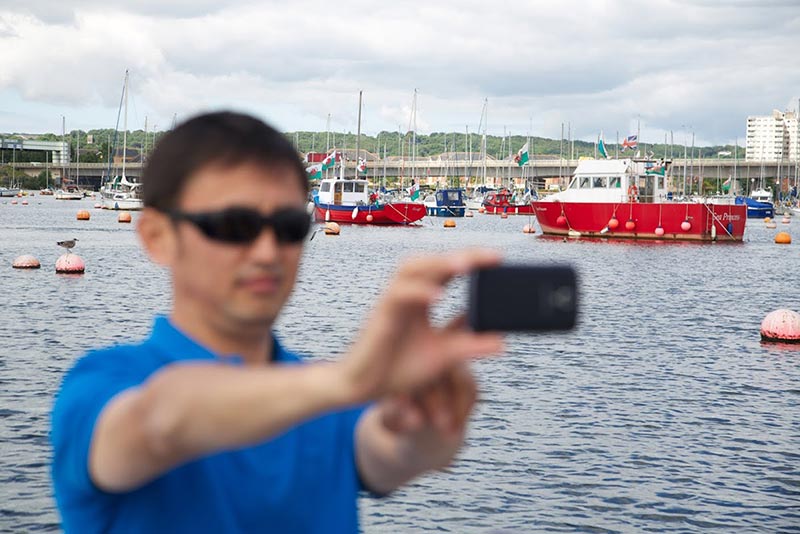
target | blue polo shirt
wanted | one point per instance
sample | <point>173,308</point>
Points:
<point>304,480</point>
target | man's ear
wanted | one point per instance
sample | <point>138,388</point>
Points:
<point>157,234</point>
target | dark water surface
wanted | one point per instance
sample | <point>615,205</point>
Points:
<point>661,412</point>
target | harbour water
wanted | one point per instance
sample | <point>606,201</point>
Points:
<point>660,412</point>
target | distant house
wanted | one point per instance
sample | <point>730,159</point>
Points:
<point>132,155</point>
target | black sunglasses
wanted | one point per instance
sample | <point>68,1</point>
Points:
<point>244,225</point>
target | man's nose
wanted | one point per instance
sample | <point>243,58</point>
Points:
<point>266,247</point>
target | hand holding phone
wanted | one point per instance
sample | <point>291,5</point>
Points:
<point>523,298</point>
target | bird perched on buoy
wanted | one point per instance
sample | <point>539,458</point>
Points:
<point>67,244</point>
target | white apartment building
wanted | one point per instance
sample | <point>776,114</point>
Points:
<point>773,137</point>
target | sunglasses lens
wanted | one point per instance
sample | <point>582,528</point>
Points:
<point>291,225</point>
<point>233,225</point>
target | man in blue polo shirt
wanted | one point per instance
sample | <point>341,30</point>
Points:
<point>210,425</point>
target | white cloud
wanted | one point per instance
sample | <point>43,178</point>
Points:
<point>596,64</point>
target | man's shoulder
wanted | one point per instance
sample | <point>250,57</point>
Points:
<point>118,360</point>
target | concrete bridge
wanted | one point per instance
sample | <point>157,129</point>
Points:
<point>429,171</point>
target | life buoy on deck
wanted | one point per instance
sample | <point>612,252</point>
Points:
<point>633,193</point>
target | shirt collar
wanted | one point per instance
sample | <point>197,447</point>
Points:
<point>178,346</point>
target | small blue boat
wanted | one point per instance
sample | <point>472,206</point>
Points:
<point>446,203</point>
<point>758,205</point>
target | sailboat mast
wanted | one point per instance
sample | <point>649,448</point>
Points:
<point>125,126</point>
<point>63,154</point>
<point>358,135</point>
<point>414,141</point>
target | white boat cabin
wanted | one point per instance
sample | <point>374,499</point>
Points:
<point>615,180</point>
<point>343,192</point>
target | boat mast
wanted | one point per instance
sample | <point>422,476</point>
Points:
<point>77,156</point>
<point>358,136</point>
<point>125,126</point>
<point>466,156</point>
<point>328,143</point>
<point>486,120</point>
<point>63,143</point>
<point>414,141</point>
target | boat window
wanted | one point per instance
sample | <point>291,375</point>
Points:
<point>586,182</point>
<point>325,187</point>
<point>337,187</point>
<point>348,187</point>
<point>615,181</point>
<point>573,184</point>
<point>360,188</point>
<point>440,196</point>
<point>599,181</point>
<point>453,196</point>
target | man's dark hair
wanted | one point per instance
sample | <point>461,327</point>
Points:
<point>223,138</point>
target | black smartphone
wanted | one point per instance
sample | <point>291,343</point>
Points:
<point>523,298</point>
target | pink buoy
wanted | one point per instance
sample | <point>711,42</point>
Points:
<point>630,224</point>
<point>659,231</point>
<point>370,218</point>
<point>686,226</point>
<point>26,261</point>
<point>468,214</point>
<point>98,206</point>
<point>782,326</point>
<point>504,215</point>
<point>70,263</point>
<point>24,202</point>
<point>786,220</point>
<point>561,220</point>
<point>613,223</point>
<point>14,201</point>
<point>528,229</point>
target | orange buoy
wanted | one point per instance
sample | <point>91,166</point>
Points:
<point>659,230</point>
<point>468,214</point>
<point>124,217</point>
<point>370,218</point>
<point>449,223</point>
<point>481,210</point>
<point>630,224</point>
<point>767,219</point>
<point>686,226</point>
<point>613,223</point>
<point>783,238</point>
<point>332,228</point>
<point>83,215</point>
<point>504,215</point>
<point>528,229</point>
<point>26,261</point>
<point>70,263</point>
<point>782,326</point>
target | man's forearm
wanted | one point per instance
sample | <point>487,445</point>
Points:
<point>190,410</point>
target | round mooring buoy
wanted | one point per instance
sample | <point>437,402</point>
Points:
<point>332,228</point>
<point>504,215</point>
<point>786,220</point>
<point>783,238</point>
<point>686,226</point>
<point>83,215</point>
<point>70,263</point>
<point>468,214</point>
<point>781,326</point>
<point>613,223</point>
<point>449,223</point>
<point>98,206</point>
<point>370,217</point>
<point>528,229</point>
<point>26,261</point>
<point>124,217</point>
<point>630,224</point>
<point>659,230</point>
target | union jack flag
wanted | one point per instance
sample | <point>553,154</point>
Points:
<point>632,142</point>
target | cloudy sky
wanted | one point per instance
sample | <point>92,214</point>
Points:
<point>674,65</point>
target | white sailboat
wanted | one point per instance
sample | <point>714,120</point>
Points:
<point>68,190</point>
<point>120,193</point>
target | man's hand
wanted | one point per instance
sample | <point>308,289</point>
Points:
<point>406,435</point>
<point>400,352</point>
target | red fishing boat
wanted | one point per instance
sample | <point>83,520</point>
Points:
<point>349,201</point>
<point>629,199</point>
<point>504,201</point>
